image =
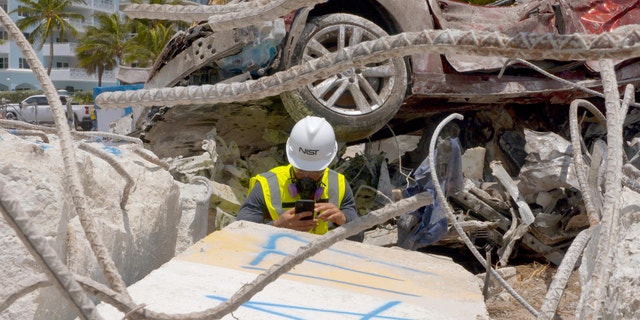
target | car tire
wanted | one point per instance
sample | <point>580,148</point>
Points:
<point>379,89</point>
<point>10,116</point>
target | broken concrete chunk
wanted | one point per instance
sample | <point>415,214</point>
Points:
<point>473,163</point>
<point>139,238</point>
<point>223,197</point>
<point>509,274</point>
<point>549,164</point>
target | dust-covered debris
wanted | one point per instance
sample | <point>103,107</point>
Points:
<point>161,218</point>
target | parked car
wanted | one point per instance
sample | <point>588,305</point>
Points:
<point>361,101</point>
<point>36,109</point>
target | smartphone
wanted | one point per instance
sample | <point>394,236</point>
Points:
<point>304,206</point>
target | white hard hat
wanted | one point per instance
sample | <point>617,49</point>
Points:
<point>312,144</point>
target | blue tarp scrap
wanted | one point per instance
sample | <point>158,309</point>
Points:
<point>427,225</point>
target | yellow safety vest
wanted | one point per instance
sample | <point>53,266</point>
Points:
<point>275,188</point>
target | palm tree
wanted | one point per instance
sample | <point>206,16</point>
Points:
<point>48,18</point>
<point>146,46</point>
<point>103,45</point>
<point>93,57</point>
<point>151,35</point>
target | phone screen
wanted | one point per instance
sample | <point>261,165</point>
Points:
<point>304,206</point>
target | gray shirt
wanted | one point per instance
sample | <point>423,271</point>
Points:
<point>255,209</point>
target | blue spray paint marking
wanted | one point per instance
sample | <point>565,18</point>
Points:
<point>280,253</point>
<point>113,150</point>
<point>271,245</point>
<point>271,248</point>
<point>43,145</point>
<point>341,282</point>
<point>269,308</point>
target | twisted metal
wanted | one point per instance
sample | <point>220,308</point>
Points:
<point>452,219</point>
<point>23,289</point>
<point>560,279</point>
<point>591,307</point>
<point>220,17</point>
<point>631,177</point>
<point>35,133</point>
<point>554,77</point>
<point>325,241</point>
<point>46,256</point>
<point>250,289</point>
<point>587,193</point>
<point>151,158</point>
<point>619,44</point>
<point>615,45</point>
<point>10,124</point>
<point>207,183</point>
<point>116,165</point>
<point>72,177</point>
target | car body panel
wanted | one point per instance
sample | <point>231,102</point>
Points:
<point>35,109</point>
<point>437,83</point>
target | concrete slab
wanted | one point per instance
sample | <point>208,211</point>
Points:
<point>347,281</point>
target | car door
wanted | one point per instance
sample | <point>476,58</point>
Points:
<point>28,109</point>
<point>36,109</point>
<point>44,111</point>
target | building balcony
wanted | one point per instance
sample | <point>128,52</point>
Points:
<point>101,5</point>
<point>66,49</point>
<point>79,24</point>
<point>77,74</point>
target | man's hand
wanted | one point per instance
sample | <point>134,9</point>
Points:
<point>329,212</point>
<point>290,220</point>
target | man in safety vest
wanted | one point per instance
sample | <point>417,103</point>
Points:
<point>310,149</point>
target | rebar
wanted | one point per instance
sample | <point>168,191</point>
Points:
<point>151,158</point>
<point>452,219</point>
<point>614,45</point>
<point>44,254</point>
<point>72,177</point>
<point>130,183</point>
<point>591,307</point>
<point>220,17</point>
<point>587,192</point>
<point>36,133</point>
<point>560,279</point>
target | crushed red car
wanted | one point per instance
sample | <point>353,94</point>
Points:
<point>361,101</point>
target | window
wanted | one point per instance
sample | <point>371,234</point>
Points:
<point>23,64</point>
<point>30,101</point>
<point>4,35</point>
<point>61,65</point>
<point>4,63</point>
<point>22,11</point>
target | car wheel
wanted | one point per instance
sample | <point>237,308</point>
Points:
<point>358,101</point>
<point>11,116</point>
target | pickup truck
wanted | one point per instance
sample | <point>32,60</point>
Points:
<point>35,109</point>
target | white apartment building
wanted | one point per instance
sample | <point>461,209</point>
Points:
<point>16,74</point>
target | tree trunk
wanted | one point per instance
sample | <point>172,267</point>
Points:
<point>100,73</point>
<point>50,54</point>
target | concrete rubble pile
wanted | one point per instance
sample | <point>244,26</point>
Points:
<point>160,218</point>
<point>147,210</point>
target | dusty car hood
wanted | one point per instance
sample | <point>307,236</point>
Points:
<point>534,16</point>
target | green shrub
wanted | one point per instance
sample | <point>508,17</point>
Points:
<point>17,96</point>
<point>83,97</point>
